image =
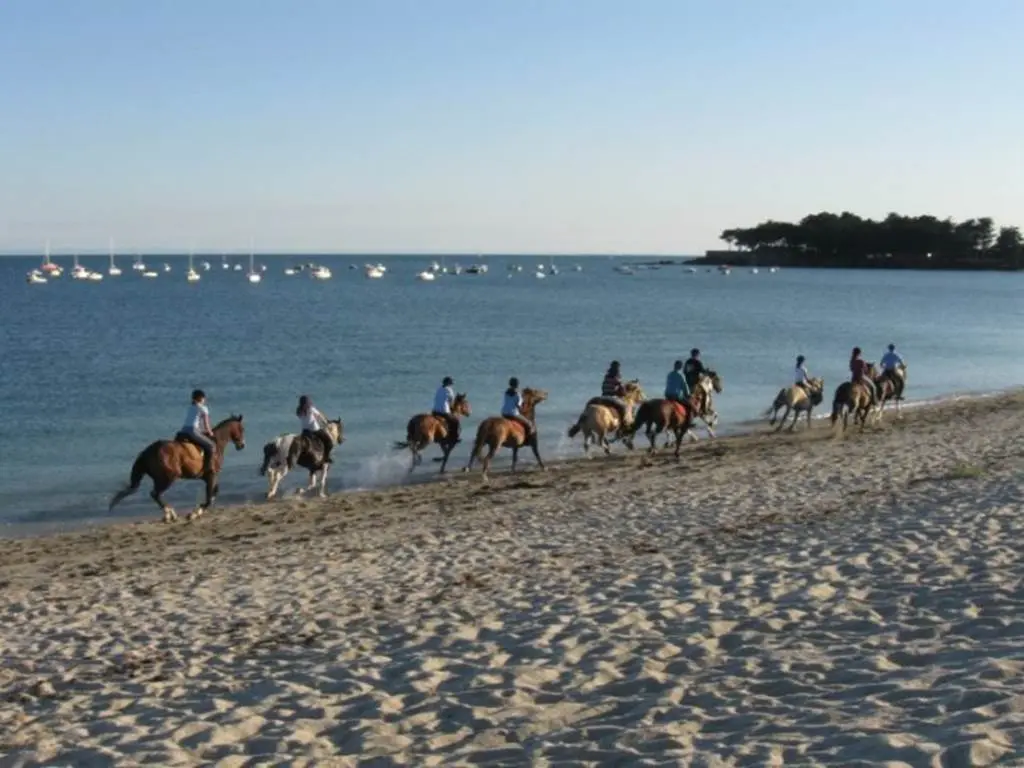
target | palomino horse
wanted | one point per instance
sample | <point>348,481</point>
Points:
<point>426,428</point>
<point>853,397</point>
<point>599,420</point>
<point>890,386</point>
<point>168,460</point>
<point>498,432</point>
<point>798,400</point>
<point>660,415</point>
<point>309,454</point>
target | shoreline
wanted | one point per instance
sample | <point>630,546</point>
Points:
<point>726,432</point>
<point>768,599</point>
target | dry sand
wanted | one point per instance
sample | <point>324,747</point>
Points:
<point>769,600</point>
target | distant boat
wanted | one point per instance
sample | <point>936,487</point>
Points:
<point>624,269</point>
<point>476,269</point>
<point>224,262</point>
<point>253,276</point>
<point>374,271</point>
<point>192,276</point>
<point>48,267</point>
<point>434,267</point>
<point>291,271</point>
<point>35,277</point>
<point>137,265</point>
<point>753,271</point>
<point>773,270</point>
<point>150,273</point>
<point>320,273</point>
<point>540,274</point>
<point>205,266</point>
<point>578,268</point>
<point>78,272</point>
<point>167,267</point>
<point>725,269</point>
<point>113,270</point>
<point>426,276</point>
<point>691,270</point>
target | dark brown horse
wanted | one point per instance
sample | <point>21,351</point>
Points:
<point>659,415</point>
<point>426,428</point>
<point>168,460</point>
<point>853,397</point>
<point>499,432</point>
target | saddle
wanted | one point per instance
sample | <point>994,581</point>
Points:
<point>680,408</point>
<point>183,438</point>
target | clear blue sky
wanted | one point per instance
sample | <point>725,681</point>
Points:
<point>497,125</point>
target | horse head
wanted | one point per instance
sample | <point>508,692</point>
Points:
<point>336,429</point>
<point>461,405</point>
<point>633,392</point>
<point>716,381</point>
<point>816,384</point>
<point>231,430</point>
<point>532,397</point>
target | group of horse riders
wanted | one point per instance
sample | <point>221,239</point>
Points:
<point>860,372</point>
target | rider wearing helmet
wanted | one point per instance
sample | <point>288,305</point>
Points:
<point>197,429</point>
<point>859,372</point>
<point>444,399</point>
<point>675,384</point>
<point>800,377</point>
<point>693,369</point>
<point>612,390</point>
<point>512,406</point>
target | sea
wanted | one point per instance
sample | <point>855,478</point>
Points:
<point>94,371</point>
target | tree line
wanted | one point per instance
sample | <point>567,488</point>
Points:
<point>847,240</point>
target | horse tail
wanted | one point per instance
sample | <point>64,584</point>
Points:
<point>269,452</point>
<point>575,428</point>
<point>138,472</point>
<point>837,406</point>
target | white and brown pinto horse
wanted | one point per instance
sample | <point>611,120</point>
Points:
<point>289,450</point>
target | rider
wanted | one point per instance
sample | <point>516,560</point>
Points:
<point>859,372</point>
<point>314,423</point>
<point>612,390</point>
<point>891,362</point>
<point>800,377</point>
<point>512,407</point>
<point>198,430</point>
<point>693,369</point>
<point>444,399</point>
<point>675,385</point>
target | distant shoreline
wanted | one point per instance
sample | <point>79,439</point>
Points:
<point>792,261</point>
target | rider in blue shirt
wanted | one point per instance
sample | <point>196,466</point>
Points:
<point>675,385</point>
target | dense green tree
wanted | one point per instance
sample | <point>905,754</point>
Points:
<point>847,240</point>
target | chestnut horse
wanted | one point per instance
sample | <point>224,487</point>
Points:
<point>853,397</point>
<point>797,400</point>
<point>168,460</point>
<point>426,428</point>
<point>890,385</point>
<point>659,415</point>
<point>599,420</point>
<point>498,432</point>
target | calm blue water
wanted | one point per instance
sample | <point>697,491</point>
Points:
<point>92,372</point>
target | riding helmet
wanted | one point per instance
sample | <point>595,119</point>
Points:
<point>799,359</point>
<point>198,394</point>
<point>447,381</point>
<point>694,352</point>
<point>513,382</point>
<point>892,347</point>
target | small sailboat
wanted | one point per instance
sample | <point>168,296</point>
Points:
<point>224,261</point>
<point>167,267</point>
<point>253,276</point>
<point>48,267</point>
<point>35,277</point>
<point>374,272</point>
<point>113,270</point>
<point>192,276</point>
<point>426,276</point>
<point>624,269</point>
<point>204,265</point>
<point>320,273</point>
<point>540,274</point>
<point>150,273</point>
<point>78,272</point>
<point>137,265</point>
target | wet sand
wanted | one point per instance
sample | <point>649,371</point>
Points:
<point>768,599</point>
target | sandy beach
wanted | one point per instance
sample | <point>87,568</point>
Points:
<point>771,599</point>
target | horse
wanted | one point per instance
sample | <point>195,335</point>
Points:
<point>168,460</point>
<point>890,385</point>
<point>498,432</point>
<point>853,397</point>
<point>308,454</point>
<point>707,383</point>
<point>659,415</point>
<point>797,399</point>
<point>598,420</point>
<point>426,428</point>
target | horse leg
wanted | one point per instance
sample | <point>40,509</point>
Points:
<point>210,483</point>
<point>782,421</point>
<point>680,434</point>
<point>275,476</point>
<point>536,453</point>
<point>323,481</point>
<point>160,486</point>
<point>415,458</point>
<point>515,458</point>
<point>808,418</point>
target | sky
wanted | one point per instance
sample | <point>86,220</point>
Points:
<point>502,126</point>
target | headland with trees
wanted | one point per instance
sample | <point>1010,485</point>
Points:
<point>846,240</point>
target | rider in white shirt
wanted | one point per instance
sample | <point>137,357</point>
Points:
<point>314,424</point>
<point>444,399</point>
<point>512,406</point>
<point>800,377</point>
<point>198,430</point>
<point>891,364</point>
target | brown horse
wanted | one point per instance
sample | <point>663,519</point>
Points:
<point>426,428</point>
<point>499,432</point>
<point>890,386</point>
<point>853,397</point>
<point>797,400</point>
<point>599,420</point>
<point>659,415</point>
<point>168,460</point>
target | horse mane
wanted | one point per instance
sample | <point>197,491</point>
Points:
<point>227,421</point>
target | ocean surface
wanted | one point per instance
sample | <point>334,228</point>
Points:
<point>94,371</point>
